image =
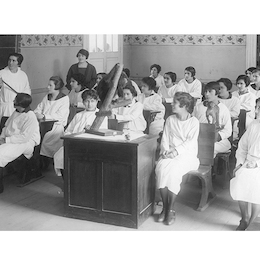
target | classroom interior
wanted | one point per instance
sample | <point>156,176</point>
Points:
<point>40,205</point>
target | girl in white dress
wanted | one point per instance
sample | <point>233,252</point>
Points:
<point>178,155</point>
<point>133,113</point>
<point>244,187</point>
<point>76,104</point>
<point>20,134</point>
<point>192,85</point>
<point>80,121</point>
<point>152,102</point>
<point>155,70</point>
<point>54,106</point>
<point>247,104</point>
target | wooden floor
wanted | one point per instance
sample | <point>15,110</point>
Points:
<point>39,206</point>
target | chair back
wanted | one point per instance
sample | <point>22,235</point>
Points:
<point>149,117</point>
<point>206,143</point>
<point>114,124</point>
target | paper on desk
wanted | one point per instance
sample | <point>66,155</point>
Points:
<point>121,138</point>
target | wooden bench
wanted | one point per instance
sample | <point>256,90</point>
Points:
<point>206,142</point>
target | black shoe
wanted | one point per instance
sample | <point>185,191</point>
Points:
<point>162,216</point>
<point>171,216</point>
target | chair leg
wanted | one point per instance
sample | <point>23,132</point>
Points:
<point>206,193</point>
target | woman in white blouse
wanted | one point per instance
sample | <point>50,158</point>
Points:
<point>133,113</point>
<point>55,105</point>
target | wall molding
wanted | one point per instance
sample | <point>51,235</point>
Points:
<point>185,39</point>
<point>51,40</point>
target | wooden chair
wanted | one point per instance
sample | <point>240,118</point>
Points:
<point>225,157</point>
<point>168,110</point>
<point>115,124</point>
<point>149,117</point>
<point>206,142</point>
<point>206,156</point>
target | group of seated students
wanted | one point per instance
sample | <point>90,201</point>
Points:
<point>179,143</point>
<point>180,131</point>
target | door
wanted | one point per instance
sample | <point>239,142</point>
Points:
<point>105,50</point>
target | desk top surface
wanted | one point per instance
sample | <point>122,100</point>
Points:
<point>135,139</point>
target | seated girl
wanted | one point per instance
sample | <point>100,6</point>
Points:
<point>133,113</point>
<point>76,103</point>
<point>155,70</point>
<point>55,105</point>
<point>81,121</point>
<point>254,86</point>
<point>222,120</point>
<point>20,133</point>
<point>244,187</point>
<point>247,101</point>
<point>152,102</point>
<point>168,91</point>
<point>170,88</point>
<point>100,76</point>
<point>178,155</point>
<point>191,84</point>
<point>226,97</point>
<point>76,83</point>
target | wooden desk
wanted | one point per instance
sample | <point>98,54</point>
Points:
<point>109,182</point>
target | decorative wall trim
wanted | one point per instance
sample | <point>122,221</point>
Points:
<point>51,40</point>
<point>185,39</point>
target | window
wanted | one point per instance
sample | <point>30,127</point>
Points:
<point>103,43</point>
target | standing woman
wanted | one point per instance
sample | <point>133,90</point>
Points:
<point>55,105</point>
<point>155,74</point>
<point>178,155</point>
<point>84,68</point>
<point>18,80</point>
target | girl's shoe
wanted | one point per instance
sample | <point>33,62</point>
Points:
<point>162,216</point>
<point>242,225</point>
<point>170,219</point>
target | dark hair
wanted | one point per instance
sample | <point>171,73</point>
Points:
<point>158,67</point>
<point>227,82</point>
<point>251,69</point>
<point>150,82</point>
<point>257,100</point>
<point>83,52</point>
<point>256,70</point>
<point>103,74</point>
<point>90,93</point>
<point>191,70</point>
<point>18,56</point>
<point>212,85</point>
<point>131,88</point>
<point>245,78</point>
<point>58,82</point>
<point>79,78</point>
<point>23,100</point>
<point>127,72</point>
<point>185,99</point>
<point>172,75</point>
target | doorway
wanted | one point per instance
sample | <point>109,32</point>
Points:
<point>105,50</point>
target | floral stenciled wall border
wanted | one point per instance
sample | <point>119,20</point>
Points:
<point>51,40</point>
<point>185,39</point>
